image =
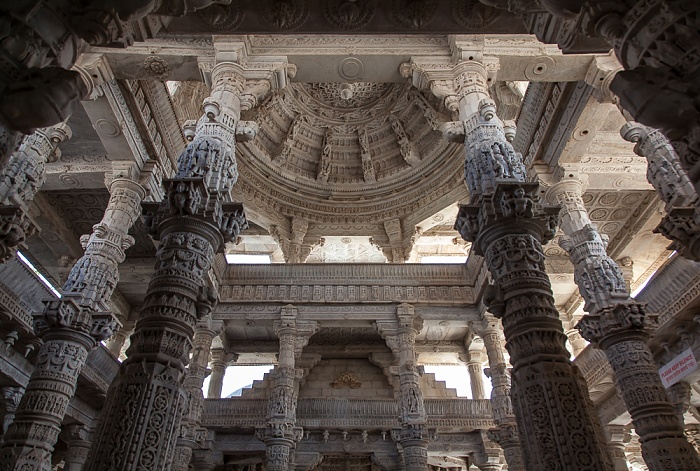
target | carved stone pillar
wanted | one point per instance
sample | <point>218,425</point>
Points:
<point>617,437</point>
<point>476,378</point>
<point>78,447</point>
<point>619,325</point>
<point>69,328</point>
<point>192,435</point>
<point>19,183</point>
<point>11,396</point>
<point>507,224</point>
<point>401,337</point>
<point>144,406</point>
<point>218,372</point>
<point>681,224</point>
<point>282,434</point>
<point>507,434</point>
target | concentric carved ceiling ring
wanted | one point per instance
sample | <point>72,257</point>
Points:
<point>357,154</point>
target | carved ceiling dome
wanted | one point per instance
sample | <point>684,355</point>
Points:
<point>361,143</point>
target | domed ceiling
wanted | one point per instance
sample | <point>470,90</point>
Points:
<point>349,158</point>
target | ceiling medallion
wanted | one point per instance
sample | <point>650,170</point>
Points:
<point>413,14</point>
<point>350,15</point>
<point>157,67</point>
<point>351,68</point>
<point>223,17</point>
<point>286,15</point>
<point>473,14</point>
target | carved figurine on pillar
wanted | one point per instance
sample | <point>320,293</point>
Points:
<point>400,336</point>
<point>508,224</point>
<point>19,183</point>
<point>619,325</point>
<point>281,433</point>
<point>682,221</point>
<point>146,402</point>
<point>70,328</point>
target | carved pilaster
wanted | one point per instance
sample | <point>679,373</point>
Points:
<point>508,224</point>
<point>71,327</point>
<point>20,180</point>
<point>476,378</point>
<point>400,336</point>
<point>619,325</point>
<point>281,433</point>
<point>147,400</point>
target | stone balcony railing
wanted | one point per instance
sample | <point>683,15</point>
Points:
<point>462,414</point>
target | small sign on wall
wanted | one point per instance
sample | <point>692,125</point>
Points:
<point>678,368</point>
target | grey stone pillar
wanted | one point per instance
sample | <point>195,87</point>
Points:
<point>218,372</point>
<point>144,406</point>
<point>78,447</point>
<point>508,224</point>
<point>577,342</point>
<point>400,336</point>
<point>192,434</point>
<point>620,326</point>
<point>69,328</point>
<point>507,433</point>
<point>19,183</point>
<point>281,433</point>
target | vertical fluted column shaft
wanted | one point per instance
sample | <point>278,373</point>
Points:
<point>141,417</point>
<point>69,329</point>
<point>508,224</point>
<point>620,326</point>
<point>218,373</point>
<point>476,379</point>
<point>19,183</point>
<point>281,433</point>
<point>191,434</point>
<point>507,434</point>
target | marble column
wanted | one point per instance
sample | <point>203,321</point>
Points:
<point>144,406</point>
<point>507,224</point>
<point>78,447</point>
<point>192,434</point>
<point>19,183</point>
<point>218,373</point>
<point>70,328</point>
<point>620,326</point>
<point>577,342</point>
<point>281,433</point>
<point>476,377</point>
<point>506,434</point>
<point>400,336</point>
<point>681,224</point>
